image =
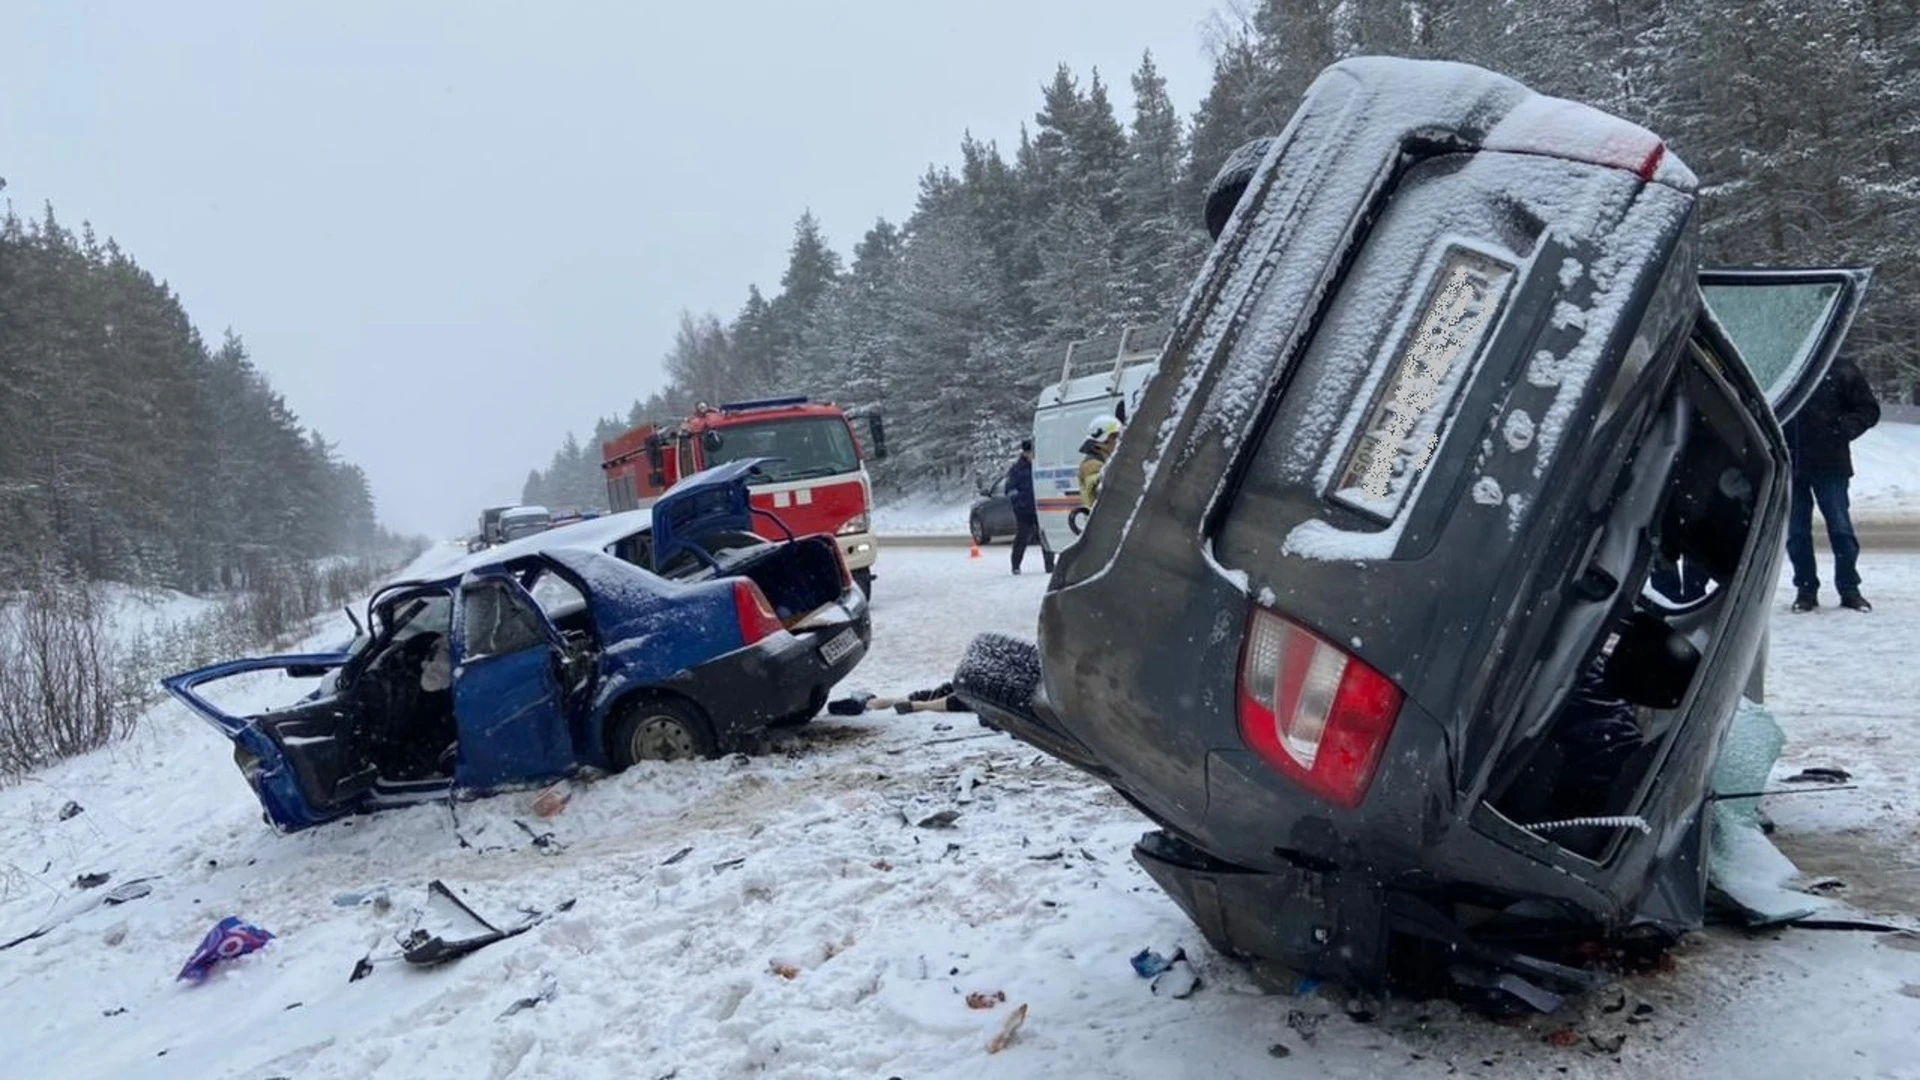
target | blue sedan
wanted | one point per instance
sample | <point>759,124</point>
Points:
<point>662,634</point>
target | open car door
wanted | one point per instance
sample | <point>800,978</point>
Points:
<point>302,761</point>
<point>508,701</point>
<point>1787,323</point>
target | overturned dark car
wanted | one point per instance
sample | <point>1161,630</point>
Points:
<point>1366,619</point>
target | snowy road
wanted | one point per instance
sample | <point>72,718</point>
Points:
<point>810,931</point>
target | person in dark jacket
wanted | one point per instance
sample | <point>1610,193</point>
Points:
<point>1026,514</point>
<point>1841,409</point>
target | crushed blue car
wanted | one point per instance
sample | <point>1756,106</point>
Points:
<point>656,634</point>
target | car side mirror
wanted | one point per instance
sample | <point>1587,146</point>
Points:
<point>712,441</point>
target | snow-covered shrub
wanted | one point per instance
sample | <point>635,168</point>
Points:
<point>60,693</point>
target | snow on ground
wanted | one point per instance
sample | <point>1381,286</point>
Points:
<point>1886,466</point>
<point>921,516</point>
<point>136,612</point>
<point>803,858</point>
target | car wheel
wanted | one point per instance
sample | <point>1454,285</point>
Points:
<point>978,529</point>
<point>864,579</point>
<point>660,729</point>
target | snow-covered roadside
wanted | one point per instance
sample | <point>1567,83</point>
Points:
<point>921,517</point>
<point>808,857</point>
<point>1886,466</point>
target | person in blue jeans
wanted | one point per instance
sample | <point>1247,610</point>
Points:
<point>1819,439</point>
<point>1026,516</point>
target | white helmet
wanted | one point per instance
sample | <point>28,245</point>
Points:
<point>1103,428</point>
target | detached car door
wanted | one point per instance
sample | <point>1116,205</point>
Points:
<point>508,703</point>
<point>1788,324</point>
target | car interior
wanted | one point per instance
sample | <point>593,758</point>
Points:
<point>1595,756</point>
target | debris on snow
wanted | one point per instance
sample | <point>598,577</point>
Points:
<point>91,881</point>
<point>1178,981</point>
<point>785,971</point>
<point>982,1000</point>
<point>553,800</point>
<point>547,990</point>
<point>942,820</point>
<point>1820,774</point>
<point>231,937</point>
<point>1305,1024</point>
<point>461,930</point>
<point>970,777</point>
<point>1608,1044</point>
<point>1007,1030</point>
<point>1147,963</point>
<point>678,855</point>
<point>377,897</point>
<point>71,810</point>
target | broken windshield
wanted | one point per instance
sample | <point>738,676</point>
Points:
<point>808,447</point>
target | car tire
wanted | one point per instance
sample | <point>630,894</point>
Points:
<point>660,729</point>
<point>978,530</point>
<point>864,579</point>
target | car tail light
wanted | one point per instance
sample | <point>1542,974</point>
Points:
<point>1312,710</point>
<point>757,618</point>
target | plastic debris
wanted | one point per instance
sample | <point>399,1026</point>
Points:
<point>982,1000</point>
<point>461,930</point>
<point>91,881</point>
<point>1279,1050</point>
<point>1147,963</point>
<point>71,810</point>
<point>1008,1029</point>
<point>231,937</point>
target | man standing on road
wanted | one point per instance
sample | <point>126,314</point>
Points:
<point>1026,515</point>
<point>1841,409</point>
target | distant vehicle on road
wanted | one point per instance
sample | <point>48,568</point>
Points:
<point>523,521</point>
<point>991,514</point>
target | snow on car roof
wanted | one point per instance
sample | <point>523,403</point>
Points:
<point>594,534</point>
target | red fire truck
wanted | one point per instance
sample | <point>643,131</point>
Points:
<point>820,484</point>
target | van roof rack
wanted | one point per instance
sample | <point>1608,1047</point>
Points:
<point>1114,351</point>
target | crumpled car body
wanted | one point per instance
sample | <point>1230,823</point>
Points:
<point>667,632</point>
<point>1365,619</point>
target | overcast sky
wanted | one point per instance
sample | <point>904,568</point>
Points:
<point>449,233</point>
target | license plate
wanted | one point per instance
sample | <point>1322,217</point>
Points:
<point>842,643</point>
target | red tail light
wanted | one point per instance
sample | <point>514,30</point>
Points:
<point>757,618</point>
<point>1312,710</point>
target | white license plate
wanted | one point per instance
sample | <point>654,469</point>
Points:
<point>841,644</point>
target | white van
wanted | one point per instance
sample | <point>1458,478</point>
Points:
<point>1102,376</point>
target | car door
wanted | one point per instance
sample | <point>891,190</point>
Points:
<point>999,510</point>
<point>1788,324</point>
<point>508,703</point>
<point>301,761</point>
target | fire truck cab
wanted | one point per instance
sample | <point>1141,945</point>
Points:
<point>818,485</point>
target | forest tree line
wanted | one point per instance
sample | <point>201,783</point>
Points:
<point>1802,121</point>
<point>132,450</point>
